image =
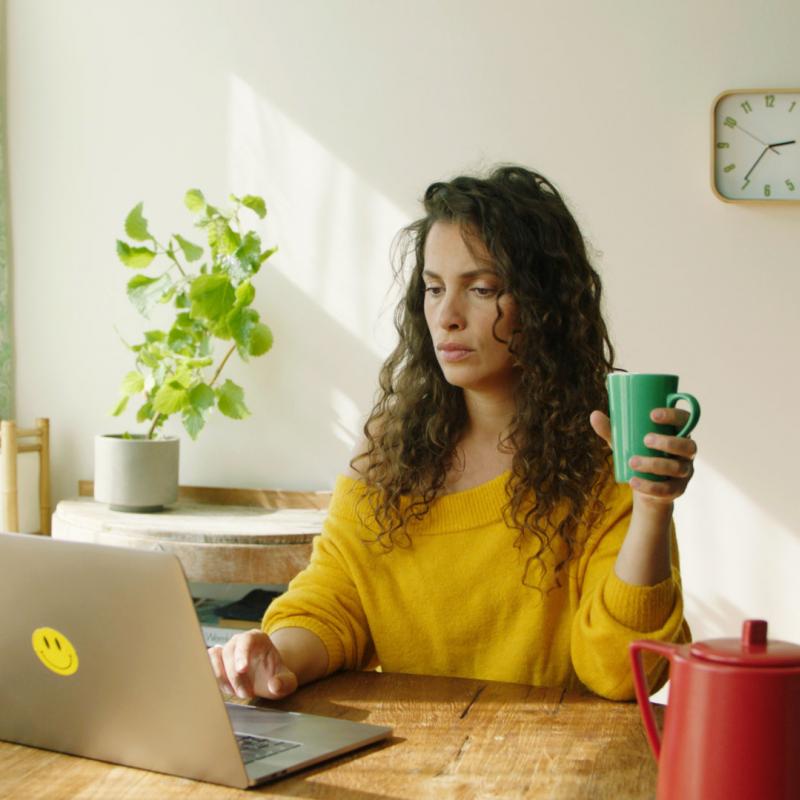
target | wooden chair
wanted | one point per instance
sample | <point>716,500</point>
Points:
<point>14,440</point>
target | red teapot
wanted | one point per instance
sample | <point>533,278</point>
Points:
<point>732,723</point>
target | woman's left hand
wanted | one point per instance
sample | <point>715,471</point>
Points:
<point>677,470</point>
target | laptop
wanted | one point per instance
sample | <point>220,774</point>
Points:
<point>102,656</point>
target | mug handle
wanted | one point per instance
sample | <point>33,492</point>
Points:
<point>694,410</point>
<point>640,685</point>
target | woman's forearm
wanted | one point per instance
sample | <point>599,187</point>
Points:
<point>644,558</point>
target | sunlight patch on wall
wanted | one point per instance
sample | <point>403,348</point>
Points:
<point>333,228</point>
<point>737,561</point>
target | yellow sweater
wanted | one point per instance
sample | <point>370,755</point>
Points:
<point>455,602</point>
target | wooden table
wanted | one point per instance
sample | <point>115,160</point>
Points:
<point>452,738</point>
<point>267,541</point>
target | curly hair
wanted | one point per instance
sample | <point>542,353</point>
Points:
<point>562,354</point>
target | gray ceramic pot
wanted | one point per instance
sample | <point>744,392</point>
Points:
<point>136,473</point>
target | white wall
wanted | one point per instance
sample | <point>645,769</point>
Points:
<point>341,113</point>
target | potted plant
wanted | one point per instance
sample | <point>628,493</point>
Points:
<point>176,370</point>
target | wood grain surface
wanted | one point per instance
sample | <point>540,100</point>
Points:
<point>453,738</point>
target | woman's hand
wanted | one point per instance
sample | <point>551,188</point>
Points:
<point>249,665</point>
<point>677,470</point>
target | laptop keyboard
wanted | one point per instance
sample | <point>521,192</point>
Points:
<point>254,748</point>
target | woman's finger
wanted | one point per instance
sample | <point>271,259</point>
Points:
<point>217,665</point>
<point>669,467</point>
<point>674,445</point>
<point>238,679</point>
<point>670,416</point>
<point>662,490</point>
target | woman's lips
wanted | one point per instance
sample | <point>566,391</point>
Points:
<point>452,353</point>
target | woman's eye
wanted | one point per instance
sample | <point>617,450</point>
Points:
<point>484,291</point>
<point>433,290</point>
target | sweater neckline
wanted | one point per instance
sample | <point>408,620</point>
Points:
<point>468,508</point>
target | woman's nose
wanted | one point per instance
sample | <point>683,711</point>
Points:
<point>451,316</point>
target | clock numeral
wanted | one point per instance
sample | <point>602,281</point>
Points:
<point>767,190</point>
<point>722,145</point>
<point>729,168</point>
<point>730,122</point>
<point>790,185</point>
<point>746,106</point>
<point>745,184</point>
<point>770,100</point>
<point>791,107</point>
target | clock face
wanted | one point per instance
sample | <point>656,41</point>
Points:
<point>757,145</point>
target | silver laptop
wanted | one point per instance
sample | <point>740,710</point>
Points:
<point>101,655</point>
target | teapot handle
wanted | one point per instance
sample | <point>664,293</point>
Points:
<point>640,685</point>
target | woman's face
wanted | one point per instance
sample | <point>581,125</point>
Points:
<point>461,291</point>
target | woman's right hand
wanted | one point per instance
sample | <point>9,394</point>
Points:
<point>249,665</point>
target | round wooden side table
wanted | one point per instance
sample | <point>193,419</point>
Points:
<point>215,543</point>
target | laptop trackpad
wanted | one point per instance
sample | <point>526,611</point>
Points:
<point>261,721</point>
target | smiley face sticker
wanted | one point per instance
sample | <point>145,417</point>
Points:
<point>55,651</point>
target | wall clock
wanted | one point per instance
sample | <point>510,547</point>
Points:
<point>756,145</point>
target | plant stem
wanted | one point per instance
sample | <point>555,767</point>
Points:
<point>222,364</point>
<point>153,426</point>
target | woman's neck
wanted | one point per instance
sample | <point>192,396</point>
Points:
<point>483,451</point>
<point>489,417</point>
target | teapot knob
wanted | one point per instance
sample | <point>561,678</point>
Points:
<point>754,633</point>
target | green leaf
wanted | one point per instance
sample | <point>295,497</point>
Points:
<point>222,239</point>
<point>241,323</point>
<point>190,251</point>
<point>248,257</point>
<point>245,294</point>
<point>134,257</point>
<point>183,376</point>
<point>193,421</point>
<point>230,400</point>
<point>260,339</point>
<point>201,396</point>
<point>267,253</point>
<point>180,341</point>
<point>154,336</point>
<point>255,203</point>
<point>146,292</point>
<point>132,383</point>
<point>145,412</point>
<point>212,296</point>
<point>120,406</point>
<point>182,301</point>
<point>171,397</point>
<point>194,200</point>
<point>136,225</point>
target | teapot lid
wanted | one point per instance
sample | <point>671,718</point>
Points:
<point>752,650</point>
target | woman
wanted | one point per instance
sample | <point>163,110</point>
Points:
<point>479,532</point>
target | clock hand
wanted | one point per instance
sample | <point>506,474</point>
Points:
<point>757,160</point>
<point>780,144</point>
<point>751,135</point>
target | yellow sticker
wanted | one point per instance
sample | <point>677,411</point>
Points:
<point>55,651</point>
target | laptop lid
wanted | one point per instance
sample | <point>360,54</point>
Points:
<point>103,657</point>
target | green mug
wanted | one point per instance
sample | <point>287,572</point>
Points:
<point>631,398</point>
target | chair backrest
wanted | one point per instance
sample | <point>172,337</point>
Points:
<point>13,441</point>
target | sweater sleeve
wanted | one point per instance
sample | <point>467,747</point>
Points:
<point>613,613</point>
<point>323,599</point>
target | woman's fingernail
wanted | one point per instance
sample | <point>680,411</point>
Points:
<point>635,461</point>
<point>659,414</point>
<point>649,439</point>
